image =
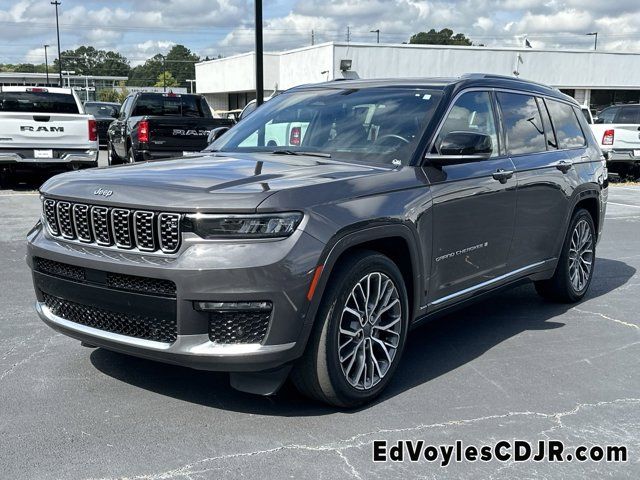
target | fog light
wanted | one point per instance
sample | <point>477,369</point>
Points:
<point>230,306</point>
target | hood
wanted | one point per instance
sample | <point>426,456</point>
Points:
<point>206,182</point>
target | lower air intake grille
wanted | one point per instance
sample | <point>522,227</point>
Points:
<point>238,326</point>
<point>132,283</point>
<point>138,326</point>
<point>58,269</point>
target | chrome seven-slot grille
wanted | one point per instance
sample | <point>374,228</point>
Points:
<point>120,227</point>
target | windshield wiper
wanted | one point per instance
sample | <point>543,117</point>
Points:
<point>303,153</point>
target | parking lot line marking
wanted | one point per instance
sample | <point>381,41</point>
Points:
<point>623,204</point>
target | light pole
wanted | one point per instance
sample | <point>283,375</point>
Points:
<point>595,44</point>
<point>46,63</point>
<point>377,32</point>
<point>191,82</point>
<point>56,3</point>
<point>259,54</point>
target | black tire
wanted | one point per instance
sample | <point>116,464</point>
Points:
<point>319,373</point>
<point>112,157</point>
<point>560,287</point>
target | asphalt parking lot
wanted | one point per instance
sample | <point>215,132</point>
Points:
<point>512,367</point>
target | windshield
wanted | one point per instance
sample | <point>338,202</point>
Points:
<point>101,110</point>
<point>38,102</point>
<point>371,125</point>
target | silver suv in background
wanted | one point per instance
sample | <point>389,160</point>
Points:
<point>398,201</point>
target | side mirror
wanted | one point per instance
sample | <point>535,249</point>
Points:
<point>216,133</point>
<point>462,147</point>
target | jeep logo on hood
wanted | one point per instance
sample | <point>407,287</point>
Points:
<point>103,192</point>
<point>29,128</point>
<point>180,132</point>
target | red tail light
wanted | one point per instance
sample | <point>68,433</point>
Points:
<point>607,138</point>
<point>143,131</point>
<point>93,131</point>
<point>294,137</point>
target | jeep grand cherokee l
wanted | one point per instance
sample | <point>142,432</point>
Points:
<point>401,200</point>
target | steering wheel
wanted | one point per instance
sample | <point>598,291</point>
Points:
<point>394,136</point>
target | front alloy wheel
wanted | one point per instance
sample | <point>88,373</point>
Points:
<point>370,329</point>
<point>359,333</point>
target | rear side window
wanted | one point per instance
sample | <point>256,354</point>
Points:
<point>629,114</point>
<point>522,123</point>
<point>38,102</point>
<point>171,105</point>
<point>566,123</point>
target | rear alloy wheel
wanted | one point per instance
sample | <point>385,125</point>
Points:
<point>359,333</point>
<point>574,271</point>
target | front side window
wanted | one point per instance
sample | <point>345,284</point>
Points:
<point>472,112</point>
<point>566,123</point>
<point>607,115</point>
<point>370,125</point>
<point>522,123</point>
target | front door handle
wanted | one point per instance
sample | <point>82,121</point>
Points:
<point>564,166</point>
<point>502,175</point>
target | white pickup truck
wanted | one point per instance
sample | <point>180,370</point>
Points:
<point>45,126</point>
<point>617,129</point>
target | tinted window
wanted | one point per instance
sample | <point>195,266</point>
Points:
<point>372,125</point>
<point>522,123</point>
<point>629,114</point>
<point>566,123</point>
<point>38,102</point>
<point>607,115</point>
<point>472,112</point>
<point>168,104</point>
<point>101,110</point>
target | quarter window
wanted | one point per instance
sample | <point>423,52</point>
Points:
<point>472,112</point>
<point>565,121</point>
<point>522,123</point>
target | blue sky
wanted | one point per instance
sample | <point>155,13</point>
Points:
<point>140,29</point>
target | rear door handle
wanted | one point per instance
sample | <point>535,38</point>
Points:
<point>502,175</point>
<point>564,166</point>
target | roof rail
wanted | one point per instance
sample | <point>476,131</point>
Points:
<point>504,77</point>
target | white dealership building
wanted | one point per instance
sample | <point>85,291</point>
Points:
<point>597,78</point>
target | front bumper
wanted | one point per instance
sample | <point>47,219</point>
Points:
<point>65,157</point>
<point>276,271</point>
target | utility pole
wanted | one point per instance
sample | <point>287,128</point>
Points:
<point>46,63</point>
<point>348,34</point>
<point>57,3</point>
<point>594,34</point>
<point>377,32</point>
<point>313,40</point>
<point>164,73</point>
<point>259,54</point>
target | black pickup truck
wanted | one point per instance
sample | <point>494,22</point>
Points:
<point>160,125</point>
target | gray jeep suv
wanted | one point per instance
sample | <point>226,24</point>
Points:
<point>307,240</point>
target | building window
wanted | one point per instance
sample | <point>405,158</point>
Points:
<point>238,100</point>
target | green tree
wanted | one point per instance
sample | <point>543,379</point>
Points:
<point>86,60</point>
<point>443,37</point>
<point>166,79</point>
<point>147,73</point>
<point>108,95</point>
<point>180,61</point>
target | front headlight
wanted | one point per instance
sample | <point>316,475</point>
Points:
<point>269,225</point>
